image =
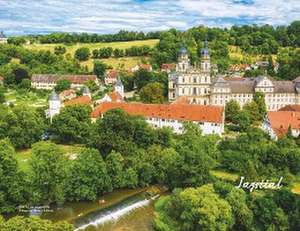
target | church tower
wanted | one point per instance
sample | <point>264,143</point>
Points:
<point>183,60</point>
<point>205,58</point>
<point>86,92</point>
<point>119,87</point>
<point>54,105</point>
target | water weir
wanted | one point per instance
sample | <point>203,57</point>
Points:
<point>113,213</point>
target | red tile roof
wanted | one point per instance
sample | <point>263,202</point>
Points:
<point>115,96</point>
<point>281,121</point>
<point>146,66</point>
<point>174,111</point>
<point>168,66</point>
<point>290,108</point>
<point>75,79</point>
<point>81,100</point>
<point>112,74</point>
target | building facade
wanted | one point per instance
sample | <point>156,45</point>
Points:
<point>201,86</point>
<point>48,82</point>
<point>3,38</point>
<point>209,118</point>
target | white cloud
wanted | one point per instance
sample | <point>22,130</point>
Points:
<point>107,16</point>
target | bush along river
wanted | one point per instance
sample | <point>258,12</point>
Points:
<point>127,209</point>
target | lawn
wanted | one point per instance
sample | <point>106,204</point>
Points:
<point>27,98</point>
<point>23,156</point>
<point>224,175</point>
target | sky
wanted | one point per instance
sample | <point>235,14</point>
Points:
<point>18,17</point>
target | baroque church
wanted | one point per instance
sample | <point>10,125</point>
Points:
<point>198,85</point>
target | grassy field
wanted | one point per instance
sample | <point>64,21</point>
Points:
<point>126,62</point>
<point>27,98</point>
<point>23,156</point>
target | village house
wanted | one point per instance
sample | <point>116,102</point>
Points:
<point>48,82</point>
<point>67,94</point>
<point>277,124</point>
<point>138,67</point>
<point>3,38</point>
<point>116,96</point>
<point>202,87</point>
<point>209,118</point>
<point>56,104</point>
<point>111,77</point>
<point>168,67</point>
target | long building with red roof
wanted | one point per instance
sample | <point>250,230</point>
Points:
<point>209,118</point>
<point>277,124</point>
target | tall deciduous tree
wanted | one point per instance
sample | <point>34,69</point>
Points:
<point>48,166</point>
<point>152,93</point>
<point>11,179</point>
<point>88,176</point>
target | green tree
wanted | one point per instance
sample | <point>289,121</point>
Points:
<point>152,93</point>
<point>142,77</point>
<point>59,50</point>
<point>88,176</point>
<point>11,179</point>
<point>253,111</point>
<point>25,84</point>
<point>196,209</point>
<point>62,84</point>
<point>48,166</point>
<point>115,169</point>
<point>19,223</point>
<point>99,69</point>
<point>232,108</point>
<point>24,126</point>
<point>259,99</point>
<point>72,124</point>
<point>82,54</point>
<point>2,95</point>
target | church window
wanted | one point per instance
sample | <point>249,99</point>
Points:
<point>195,80</point>
<point>195,91</point>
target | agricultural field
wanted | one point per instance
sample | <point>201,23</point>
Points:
<point>126,62</point>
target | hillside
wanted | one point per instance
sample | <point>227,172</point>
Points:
<point>125,62</point>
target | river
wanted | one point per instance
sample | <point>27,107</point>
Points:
<point>122,210</point>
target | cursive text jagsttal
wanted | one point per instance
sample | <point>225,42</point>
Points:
<point>264,184</point>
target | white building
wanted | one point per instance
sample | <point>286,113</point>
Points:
<point>3,38</point>
<point>200,86</point>
<point>48,82</point>
<point>209,118</point>
<point>56,104</point>
<point>277,124</point>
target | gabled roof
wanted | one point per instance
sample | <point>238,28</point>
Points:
<point>115,96</point>
<point>168,66</point>
<point>81,100</point>
<point>112,74</point>
<point>295,107</point>
<point>281,121</point>
<point>180,112</point>
<point>75,79</point>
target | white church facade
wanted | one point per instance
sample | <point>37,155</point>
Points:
<point>200,86</point>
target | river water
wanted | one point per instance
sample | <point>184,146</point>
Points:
<point>122,210</point>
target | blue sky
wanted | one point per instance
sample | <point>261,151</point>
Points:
<point>109,16</point>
